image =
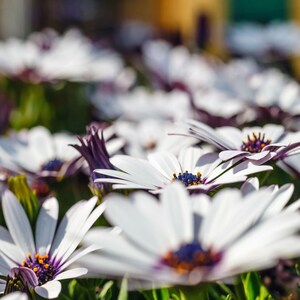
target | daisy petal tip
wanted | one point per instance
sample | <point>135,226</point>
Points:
<point>49,290</point>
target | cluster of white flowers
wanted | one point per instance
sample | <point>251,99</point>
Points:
<point>260,40</point>
<point>157,165</point>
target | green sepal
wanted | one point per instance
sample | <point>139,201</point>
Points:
<point>19,186</point>
<point>253,287</point>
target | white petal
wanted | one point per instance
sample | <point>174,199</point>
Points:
<point>141,228</point>
<point>17,223</point>
<point>222,208</point>
<point>79,234</point>
<point>62,228</point>
<point>178,211</point>
<point>116,245</point>
<point>72,273</point>
<point>230,154</point>
<point>232,134</point>
<point>136,167</point>
<point>41,141</point>
<point>49,290</point>
<point>78,254</point>
<point>113,265</point>
<point>246,168</point>
<point>294,206</point>
<point>73,228</point>
<point>46,225</point>
<point>14,296</point>
<point>272,230</point>
<point>250,185</point>
<point>245,214</point>
<point>273,132</point>
<point>281,198</point>
<point>258,156</point>
<point>8,247</point>
<point>166,163</point>
<point>6,265</point>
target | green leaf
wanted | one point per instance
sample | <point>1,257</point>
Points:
<point>106,293</point>
<point>178,297</point>
<point>226,289</point>
<point>123,294</point>
<point>164,294</point>
<point>254,289</point>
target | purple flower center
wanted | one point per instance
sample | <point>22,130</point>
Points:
<point>188,179</point>
<point>53,165</point>
<point>256,143</point>
<point>190,256</point>
<point>42,266</point>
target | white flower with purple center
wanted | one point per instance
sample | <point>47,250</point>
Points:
<point>194,167</point>
<point>40,153</point>
<point>39,263</point>
<point>260,144</point>
<point>186,239</point>
<point>176,67</point>
<point>48,57</point>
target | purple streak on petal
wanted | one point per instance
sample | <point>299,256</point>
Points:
<point>284,152</point>
<point>26,275</point>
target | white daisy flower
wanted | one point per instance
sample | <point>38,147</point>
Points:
<point>43,259</point>
<point>31,60</point>
<point>258,40</point>
<point>258,144</point>
<point>40,153</point>
<point>196,168</point>
<point>175,241</point>
<point>173,67</point>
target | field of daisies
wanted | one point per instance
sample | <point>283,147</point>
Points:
<point>161,173</point>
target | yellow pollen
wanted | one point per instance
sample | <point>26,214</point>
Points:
<point>46,266</point>
<point>29,255</point>
<point>41,261</point>
<point>35,270</point>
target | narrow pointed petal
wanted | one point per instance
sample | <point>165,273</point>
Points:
<point>46,225</point>
<point>17,223</point>
<point>83,229</point>
<point>178,207</point>
<point>250,185</point>
<point>72,273</point>
<point>74,226</point>
<point>8,247</point>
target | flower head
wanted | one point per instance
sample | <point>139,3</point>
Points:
<point>39,263</point>
<point>48,57</point>
<point>260,144</point>
<point>194,167</point>
<point>187,239</point>
<point>96,152</point>
<point>39,153</point>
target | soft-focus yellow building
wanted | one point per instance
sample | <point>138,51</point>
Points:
<point>205,21</point>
